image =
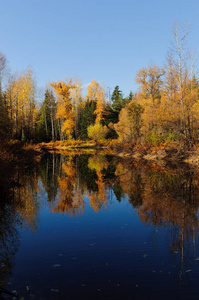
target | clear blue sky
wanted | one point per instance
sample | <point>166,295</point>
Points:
<point>105,40</point>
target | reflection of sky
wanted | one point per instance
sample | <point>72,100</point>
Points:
<point>108,253</point>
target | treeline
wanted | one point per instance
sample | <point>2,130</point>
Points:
<point>18,113</point>
<point>63,114</point>
<point>164,108</point>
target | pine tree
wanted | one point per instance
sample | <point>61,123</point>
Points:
<point>117,99</point>
<point>87,118</point>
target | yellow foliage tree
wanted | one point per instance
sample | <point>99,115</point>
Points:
<point>97,93</point>
<point>76,99</point>
<point>20,97</point>
<point>97,131</point>
<point>150,87</point>
<point>124,128</point>
<point>129,126</point>
<point>71,200</point>
<point>150,81</point>
<point>65,111</point>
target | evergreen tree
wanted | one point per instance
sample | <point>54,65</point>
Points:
<point>110,117</point>
<point>118,102</point>
<point>117,99</point>
<point>130,97</point>
<point>87,118</point>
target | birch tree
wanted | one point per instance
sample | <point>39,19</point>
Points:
<point>179,59</point>
<point>76,98</point>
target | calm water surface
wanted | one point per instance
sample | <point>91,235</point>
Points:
<point>95,227</point>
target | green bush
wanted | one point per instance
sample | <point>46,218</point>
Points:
<point>158,137</point>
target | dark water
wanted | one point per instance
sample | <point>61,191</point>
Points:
<point>95,227</point>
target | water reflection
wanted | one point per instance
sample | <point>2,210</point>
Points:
<point>18,208</point>
<point>161,197</point>
<point>9,239</point>
<point>165,199</point>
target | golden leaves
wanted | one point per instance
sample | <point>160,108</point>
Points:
<point>97,93</point>
<point>64,106</point>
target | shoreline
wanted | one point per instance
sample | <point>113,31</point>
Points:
<point>160,154</point>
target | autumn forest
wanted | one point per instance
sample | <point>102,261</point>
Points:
<point>165,107</point>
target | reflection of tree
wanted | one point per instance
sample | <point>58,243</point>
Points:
<point>18,205</point>
<point>97,163</point>
<point>87,177</point>
<point>118,191</point>
<point>49,170</point>
<point>130,180</point>
<point>173,201</point>
<point>80,175</point>
<point>71,200</point>
<point>100,197</point>
<point>162,198</point>
<point>25,196</point>
<point>9,238</point>
<point>170,199</point>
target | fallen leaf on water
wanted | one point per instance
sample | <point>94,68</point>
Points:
<point>55,290</point>
<point>188,270</point>
<point>145,255</point>
<point>56,265</point>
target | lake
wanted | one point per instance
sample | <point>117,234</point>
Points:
<point>99,227</point>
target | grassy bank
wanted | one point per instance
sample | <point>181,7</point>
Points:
<point>172,151</point>
<point>161,152</point>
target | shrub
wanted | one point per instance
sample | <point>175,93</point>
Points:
<point>97,132</point>
<point>157,138</point>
